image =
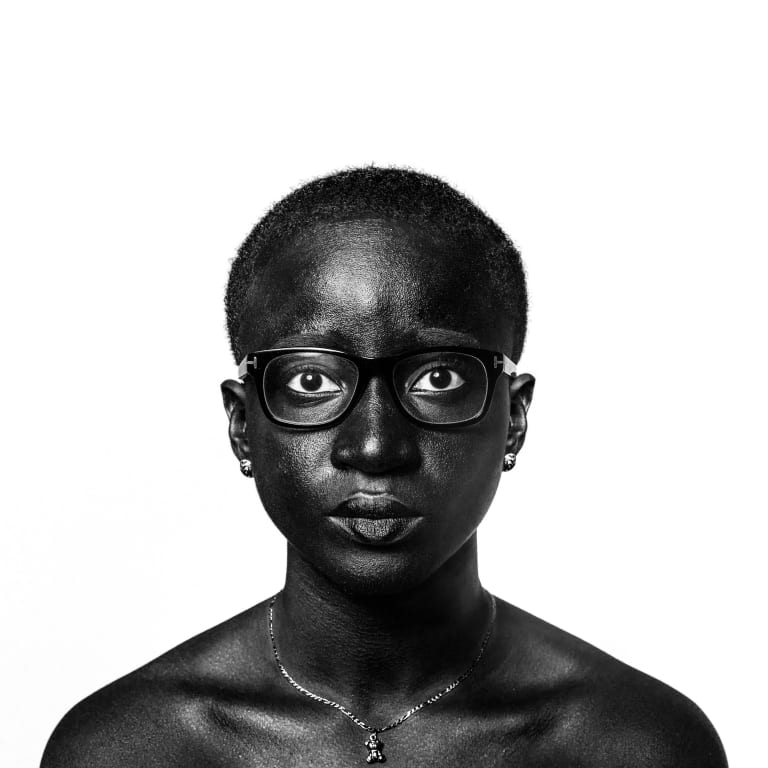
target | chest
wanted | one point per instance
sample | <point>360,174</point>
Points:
<point>329,740</point>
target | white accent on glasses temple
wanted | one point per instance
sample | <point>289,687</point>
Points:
<point>509,367</point>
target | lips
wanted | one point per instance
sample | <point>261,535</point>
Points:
<point>376,520</point>
<point>373,507</point>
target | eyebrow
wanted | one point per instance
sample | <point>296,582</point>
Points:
<point>421,337</point>
<point>328,339</point>
<point>445,336</point>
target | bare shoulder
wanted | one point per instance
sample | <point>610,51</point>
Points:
<point>164,713</point>
<point>587,705</point>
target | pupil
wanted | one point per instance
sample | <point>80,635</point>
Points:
<point>440,378</point>
<point>310,381</point>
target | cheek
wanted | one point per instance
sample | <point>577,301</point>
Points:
<point>468,461</point>
<point>464,469</point>
<point>290,467</point>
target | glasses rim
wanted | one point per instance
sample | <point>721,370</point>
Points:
<point>494,362</point>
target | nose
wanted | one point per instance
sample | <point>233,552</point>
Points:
<point>376,437</point>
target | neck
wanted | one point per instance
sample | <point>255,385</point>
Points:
<point>375,654</point>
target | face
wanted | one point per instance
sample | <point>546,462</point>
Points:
<point>375,289</point>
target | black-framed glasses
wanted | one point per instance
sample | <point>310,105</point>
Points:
<point>310,387</point>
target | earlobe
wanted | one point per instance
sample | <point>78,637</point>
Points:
<point>233,394</point>
<point>520,397</point>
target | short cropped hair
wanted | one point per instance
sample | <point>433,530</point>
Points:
<point>394,195</point>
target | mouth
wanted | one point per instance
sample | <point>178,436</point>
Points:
<point>375,519</point>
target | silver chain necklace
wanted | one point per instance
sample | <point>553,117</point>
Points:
<point>373,744</point>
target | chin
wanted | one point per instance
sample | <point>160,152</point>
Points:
<point>372,573</point>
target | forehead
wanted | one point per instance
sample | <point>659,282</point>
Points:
<point>373,287</point>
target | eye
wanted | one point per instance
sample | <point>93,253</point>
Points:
<point>440,379</point>
<point>311,381</point>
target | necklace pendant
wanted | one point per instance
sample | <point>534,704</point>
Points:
<point>375,747</point>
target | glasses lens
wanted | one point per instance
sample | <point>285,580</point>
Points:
<point>442,387</point>
<point>308,388</point>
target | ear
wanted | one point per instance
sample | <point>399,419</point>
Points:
<point>520,396</point>
<point>233,392</point>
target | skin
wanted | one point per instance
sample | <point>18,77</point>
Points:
<point>381,628</point>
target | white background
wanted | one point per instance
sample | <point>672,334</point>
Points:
<point>622,146</point>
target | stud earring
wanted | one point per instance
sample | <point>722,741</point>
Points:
<point>246,467</point>
<point>510,459</point>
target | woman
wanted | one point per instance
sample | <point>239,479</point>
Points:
<point>377,317</point>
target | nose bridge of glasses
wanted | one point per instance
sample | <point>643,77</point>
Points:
<point>375,380</point>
